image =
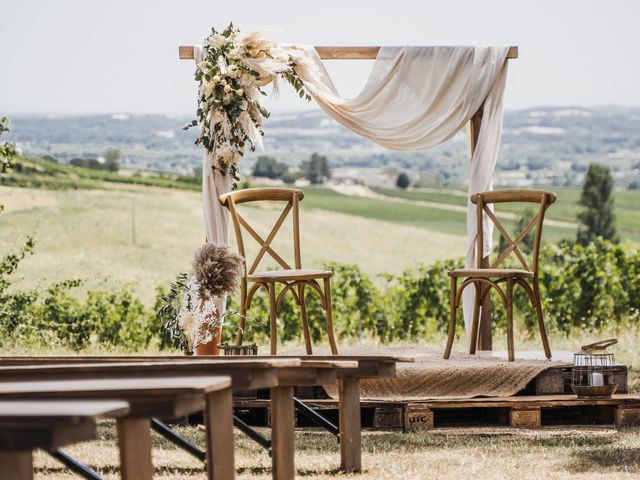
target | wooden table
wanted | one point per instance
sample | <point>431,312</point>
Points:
<point>349,398</point>
<point>148,397</point>
<point>47,425</point>
<point>309,370</point>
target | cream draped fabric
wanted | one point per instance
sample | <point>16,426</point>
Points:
<point>216,217</point>
<point>414,98</point>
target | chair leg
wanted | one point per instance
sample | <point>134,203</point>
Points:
<point>243,312</point>
<point>305,320</point>
<point>510,349</point>
<point>540,317</point>
<point>273,327</point>
<point>329,316</point>
<point>475,327</point>
<point>452,318</point>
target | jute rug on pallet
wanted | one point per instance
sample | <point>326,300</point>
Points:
<point>432,377</point>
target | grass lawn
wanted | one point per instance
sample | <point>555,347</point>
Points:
<point>563,454</point>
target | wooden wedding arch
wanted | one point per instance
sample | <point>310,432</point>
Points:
<point>473,130</point>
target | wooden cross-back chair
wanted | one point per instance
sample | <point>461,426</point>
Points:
<point>484,279</point>
<point>294,279</point>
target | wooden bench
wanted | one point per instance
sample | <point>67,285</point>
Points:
<point>170,397</point>
<point>47,425</point>
<point>306,370</point>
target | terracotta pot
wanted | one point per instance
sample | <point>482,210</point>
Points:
<point>210,348</point>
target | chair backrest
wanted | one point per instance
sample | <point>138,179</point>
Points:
<point>290,195</point>
<point>483,199</point>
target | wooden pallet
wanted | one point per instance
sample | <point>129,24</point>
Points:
<point>518,411</point>
<point>546,400</point>
<point>555,380</point>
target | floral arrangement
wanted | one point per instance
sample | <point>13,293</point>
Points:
<point>188,311</point>
<point>231,75</point>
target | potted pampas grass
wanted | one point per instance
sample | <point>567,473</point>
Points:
<point>191,311</point>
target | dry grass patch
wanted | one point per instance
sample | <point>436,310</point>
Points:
<point>495,453</point>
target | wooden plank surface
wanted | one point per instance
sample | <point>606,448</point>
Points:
<point>282,433</point>
<point>16,465</point>
<point>168,397</point>
<point>350,425</point>
<point>243,374</point>
<point>134,444</point>
<point>219,435</point>
<point>117,386</point>
<point>231,360</point>
<point>46,435</point>
<point>333,52</point>
<point>523,400</point>
<point>67,410</point>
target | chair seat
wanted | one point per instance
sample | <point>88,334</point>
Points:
<point>491,273</point>
<point>288,275</point>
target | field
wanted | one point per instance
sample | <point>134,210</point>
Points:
<point>148,235</point>
<point>114,229</point>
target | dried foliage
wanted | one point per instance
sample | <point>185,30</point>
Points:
<point>216,270</point>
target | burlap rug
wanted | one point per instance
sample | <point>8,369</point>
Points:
<point>432,377</point>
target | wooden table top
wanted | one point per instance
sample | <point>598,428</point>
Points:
<point>365,366</point>
<point>121,386</point>
<point>244,372</point>
<point>235,361</point>
<point>70,411</point>
<point>167,396</point>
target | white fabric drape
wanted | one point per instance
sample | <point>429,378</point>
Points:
<point>418,97</point>
<point>415,98</point>
<point>216,217</point>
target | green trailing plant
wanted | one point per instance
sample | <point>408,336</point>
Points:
<point>168,306</point>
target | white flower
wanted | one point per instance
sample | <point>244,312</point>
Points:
<point>217,116</point>
<point>227,88</point>
<point>188,325</point>
<point>208,90</point>
<point>228,154</point>
<point>217,41</point>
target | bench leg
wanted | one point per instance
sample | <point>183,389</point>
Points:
<point>134,442</point>
<point>219,422</point>
<point>16,465</point>
<point>282,433</point>
<point>350,426</point>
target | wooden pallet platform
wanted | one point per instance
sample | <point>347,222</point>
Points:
<point>546,400</point>
<point>524,411</point>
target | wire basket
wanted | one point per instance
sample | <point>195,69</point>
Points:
<point>238,349</point>
<point>592,374</point>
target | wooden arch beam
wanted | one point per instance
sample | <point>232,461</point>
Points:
<point>332,53</point>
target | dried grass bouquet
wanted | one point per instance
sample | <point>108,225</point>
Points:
<point>188,312</point>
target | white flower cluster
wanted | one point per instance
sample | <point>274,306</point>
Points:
<point>198,318</point>
<point>231,74</point>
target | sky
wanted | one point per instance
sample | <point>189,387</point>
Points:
<point>89,56</point>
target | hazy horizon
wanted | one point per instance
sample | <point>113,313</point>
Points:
<point>78,57</point>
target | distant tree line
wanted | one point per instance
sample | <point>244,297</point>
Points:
<point>316,169</point>
<point>110,163</point>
